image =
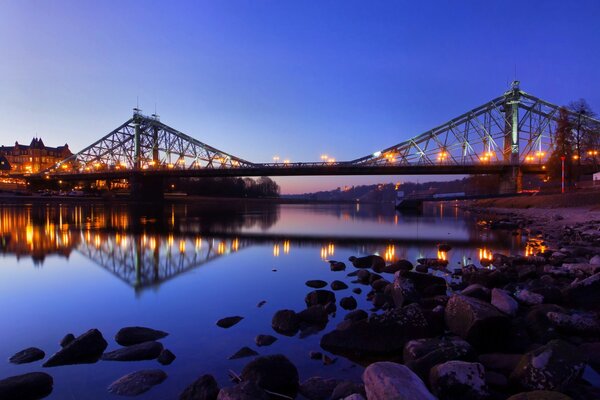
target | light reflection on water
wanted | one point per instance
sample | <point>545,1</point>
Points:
<point>183,267</point>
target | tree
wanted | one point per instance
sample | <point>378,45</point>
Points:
<point>585,134</point>
<point>563,147</point>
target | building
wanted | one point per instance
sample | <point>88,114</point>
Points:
<point>33,158</point>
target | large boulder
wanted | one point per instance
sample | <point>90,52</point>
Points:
<point>388,380</point>
<point>314,315</point>
<point>504,302</point>
<point>138,334</point>
<point>404,291</point>
<point>550,367</point>
<point>576,323</point>
<point>203,388</point>
<point>273,373</point>
<point>28,355</point>
<point>421,355</point>
<point>286,322</point>
<point>138,382</point>
<point>136,352</point>
<point>319,297</point>
<point>539,327</point>
<point>31,386</point>
<point>426,284</point>
<point>458,380</point>
<point>476,321</point>
<point>85,349</point>
<point>584,293</point>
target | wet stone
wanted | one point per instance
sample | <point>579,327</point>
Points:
<point>228,322</point>
<point>68,338</point>
<point>348,303</point>
<point>203,388</point>
<point>31,386</point>
<point>28,355</point>
<point>137,382</point>
<point>138,334</point>
<point>166,357</point>
<point>316,284</point>
<point>136,352</point>
<point>338,285</point>
<point>243,352</point>
<point>264,340</point>
<point>85,349</point>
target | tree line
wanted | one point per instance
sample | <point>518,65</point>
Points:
<point>226,187</point>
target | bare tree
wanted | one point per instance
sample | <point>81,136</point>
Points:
<point>584,129</point>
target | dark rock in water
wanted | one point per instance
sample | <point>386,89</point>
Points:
<point>388,380</point>
<point>433,262</point>
<point>317,388</point>
<point>319,297</point>
<point>228,322</point>
<point>243,352</point>
<point>363,276</point>
<point>348,303</point>
<point>356,315</point>
<point>380,284</point>
<point>380,335</point>
<point>138,334</point>
<point>338,285</point>
<point>315,355</point>
<point>137,382</point>
<point>550,367</point>
<point>539,326</point>
<point>314,315</point>
<point>243,391</point>
<point>286,322</point>
<point>264,340</point>
<point>203,388</point>
<point>31,386</point>
<point>476,321</point>
<point>273,373</point>
<point>166,357</point>
<point>28,355</point>
<point>540,395</point>
<point>136,352</point>
<point>457,380</point>
<point>337,266</point>
<point>421,355</point>
<point>357,290</point>
<point>379,300</point>
<point>85,349</point>
<point>403,291</point>
<point>584,293</point>
<point>345,389</point>
<point>316,283</point>
<point>353,273</point>
<point>422,268</point>
<point>372,261</point>
<point>423,281</point>
<point>261,303</point>
<point>68,338</point>
<point>400,265</point>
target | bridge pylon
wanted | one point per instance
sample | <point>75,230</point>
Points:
<point>511,180</point>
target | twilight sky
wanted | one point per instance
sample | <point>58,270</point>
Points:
<point>295,79</point>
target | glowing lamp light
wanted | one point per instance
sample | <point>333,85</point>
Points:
<point>169,165</point>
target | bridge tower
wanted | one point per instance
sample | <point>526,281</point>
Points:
<point>512,178</point>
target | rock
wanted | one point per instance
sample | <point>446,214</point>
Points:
<point>458,380</point>
<point>347,388</point>
<point>166,357</point>
<point>286,322</point>
<point>85,349</point>
<point>348,303</point>
<point>317,388</point>
<point>585,324</point>
<point>243,391</point>
<point>137,334</point>
<point>319,297</point>
<point>550,367</point>
<point>503,362</point>
<point>136,352</point>
<point>380,335</point>
<point>387,380</point>
<point>337,266</point>
<point>537,324</point>
<point>338,285</point>
<point>363,276</point>
<point>422,268</point>
<point>379,300</point>
<point>404,291</point>
<point>595,260</point>
<point>375,262</point>
<point>68,338</point>
<point>355,396</point>
<point>421,355</point>
<point>356,315</point>
<point>400,265</point>
<point>380,284</point>
<point>539,395</point>
<point>504,302</point>
<point>314,315</point>
<point>584,293</point>
<point>137,382</point>
<point>261,303</point>
<point>477,291</point>
<point>529,298</point>
<point>357,290</point>
<point>316,284</point>
<point>591,353</point>
<point>495,379</point>
<point>264,340</point>
<point>228,322</point>
<point>315,355</point>
<point>476,321</point>
<point>28,355</point>
<point>328,360</point>
<point>243,352</point>
<point>203,388</point>
<point>273,373</point>
<point>31,386</point>
<point>425,284</point>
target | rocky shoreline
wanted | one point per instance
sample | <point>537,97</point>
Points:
<point>510,327</point>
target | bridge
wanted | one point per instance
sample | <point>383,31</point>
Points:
<point>511,135</point>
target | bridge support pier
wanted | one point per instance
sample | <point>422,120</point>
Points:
<point>146,189</point>
<point>511,181</point>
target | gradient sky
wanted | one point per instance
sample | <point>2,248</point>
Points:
<point>294,79</point>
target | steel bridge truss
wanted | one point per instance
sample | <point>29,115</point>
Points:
<point>513,129</point>
<point>145,143</point>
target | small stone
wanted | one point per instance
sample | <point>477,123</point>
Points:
<point>136,352</point>
<point>348,303</point>
<point>203,388</point>
<point>68,338</point>
<point>273,373</point>
<point>264,340</point>
<point>319,297</point>
<point>243,352</point>
<point>337,266</point>
<point>286,322</point>
<point>529,298</point>
<point>387,380</point>
<point>166,357</point>
<point>261,303</point>
<point>338,285</point>
<point>228,322</point>
<point>357,290</point>
<point>316,284</point>
<point>31,386</point>
<point>137,334</point>
<point>504,302</point>
<point>137,382</point>
<point>28,355</point>
<point>317,388</point>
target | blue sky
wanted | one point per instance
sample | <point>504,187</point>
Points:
<point>294,79</point>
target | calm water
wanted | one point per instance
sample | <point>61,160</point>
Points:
<point>69,268</point>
